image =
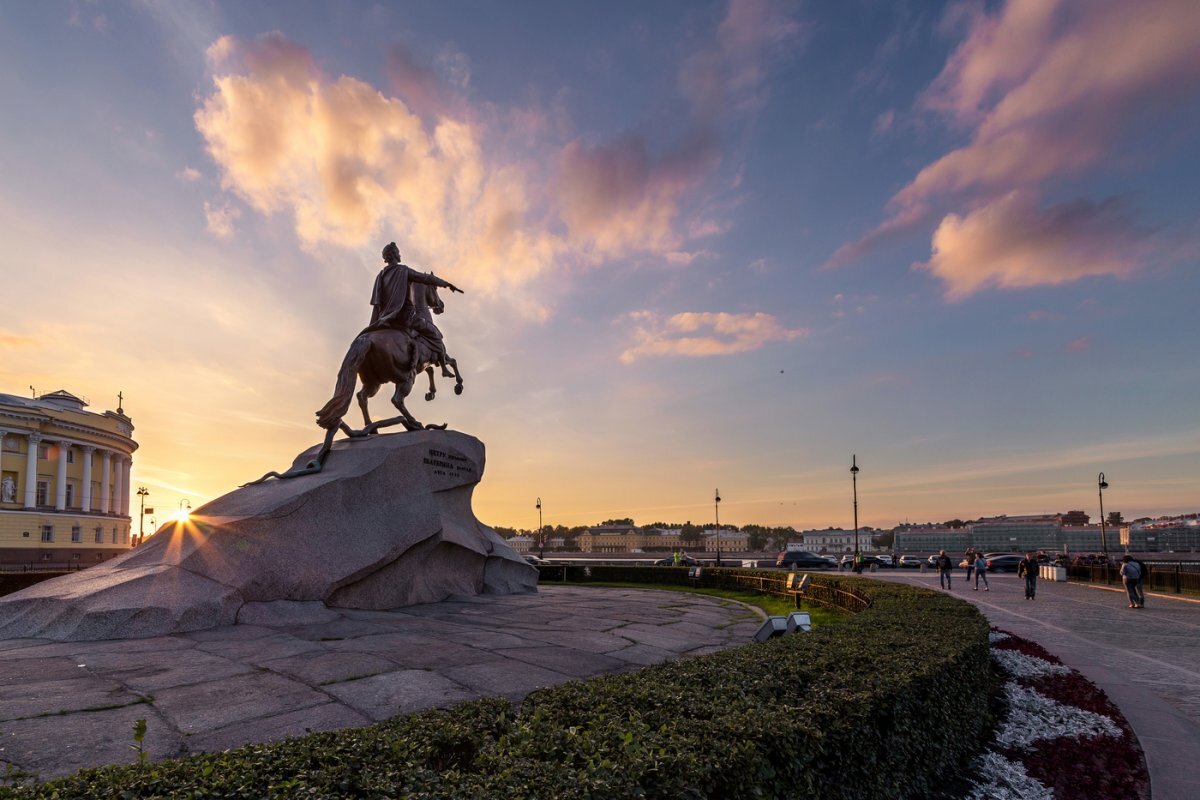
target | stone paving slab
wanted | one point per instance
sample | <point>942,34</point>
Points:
<point>1146,660</point>
<point>215,689</point>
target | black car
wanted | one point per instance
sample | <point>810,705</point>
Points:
<point>847,562</point>
<point>799,559</point>
<point>1004,563</point>
<point>686,561</point>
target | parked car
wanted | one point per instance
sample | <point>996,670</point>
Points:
<point>669,561</point>
<point>535,560</point>
<point>1004,563</point>
<point>911,561</point>
<point>800,559</point>
<point>847,562</point>
<point>885,560</point>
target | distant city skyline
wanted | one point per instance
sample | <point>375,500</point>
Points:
<point>729,243</point>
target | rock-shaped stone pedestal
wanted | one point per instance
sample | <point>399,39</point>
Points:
<point>386,523</point>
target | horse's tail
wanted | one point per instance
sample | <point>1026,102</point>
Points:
<point>332,412</point>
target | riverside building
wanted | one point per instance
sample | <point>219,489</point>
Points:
<point>64,481</point>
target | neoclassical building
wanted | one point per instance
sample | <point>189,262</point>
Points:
<point>64,481</point>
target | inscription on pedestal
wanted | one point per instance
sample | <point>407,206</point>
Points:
<point>449,464</point>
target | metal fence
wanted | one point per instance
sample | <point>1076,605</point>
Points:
<point>1164,576</point>
<point>43,566</point>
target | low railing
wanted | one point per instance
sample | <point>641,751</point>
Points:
<point>1176,577</point>
<point>43,566</point>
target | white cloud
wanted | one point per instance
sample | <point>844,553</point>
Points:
<point>703,334</point>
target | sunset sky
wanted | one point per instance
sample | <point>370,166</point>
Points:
<point>704,244</point>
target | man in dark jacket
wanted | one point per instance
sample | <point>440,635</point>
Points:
<point>1141,581</point>
<point>1027,568</point>
<point>944,565</point>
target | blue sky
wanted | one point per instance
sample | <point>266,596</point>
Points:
<point>704,244</point>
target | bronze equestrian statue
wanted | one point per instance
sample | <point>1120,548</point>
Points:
<point>400,342</point>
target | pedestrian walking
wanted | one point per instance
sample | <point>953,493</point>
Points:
<point>1130,574</point>
<point>1027,568</point>
<point>944,566</point>
<point>1141,582</point>
<point>969,562</point>
<point>981,572</point>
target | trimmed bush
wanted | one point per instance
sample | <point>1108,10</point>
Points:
<point>882,705</point>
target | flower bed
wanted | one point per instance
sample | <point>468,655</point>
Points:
<point>1060,739</point>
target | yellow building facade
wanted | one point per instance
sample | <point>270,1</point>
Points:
<point>64,481</point>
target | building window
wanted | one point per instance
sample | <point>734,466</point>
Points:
<point>43,493</point>
<point>75,556</point>
<point>70,455</point>
<point>70,495</point>
<point>76,533</point>
<point>43,451</point>
<point>99,535</point>
<point>114,538</point>
<point>47,533</point>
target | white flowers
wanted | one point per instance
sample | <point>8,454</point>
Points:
<point>1019,665</point>
<point>1032,717</point>
<point>1006,780</point>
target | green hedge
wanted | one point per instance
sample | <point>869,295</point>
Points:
<point>883,705</point>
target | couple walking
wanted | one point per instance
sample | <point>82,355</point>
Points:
<point>945,568</point>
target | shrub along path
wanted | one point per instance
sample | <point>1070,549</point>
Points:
<point>1146,660</point>
<point>64,706</point>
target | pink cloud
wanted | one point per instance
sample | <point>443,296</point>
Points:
<point>1080,345</point>
<point>220,219</point>
<point>1013,243</point>
<point>350,164</point>
<point>1048,88</point>
<point>697,334</point>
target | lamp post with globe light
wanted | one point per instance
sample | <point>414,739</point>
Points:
<point>854,485</point>
<point>541,531</point>
<point>1103,484</point>
<point>717,516</point>
<point>142,493</point>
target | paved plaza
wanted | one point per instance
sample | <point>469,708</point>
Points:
<point>64,706</point>
<point>1146,660</point>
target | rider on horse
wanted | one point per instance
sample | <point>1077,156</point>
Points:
<point>392,304</point>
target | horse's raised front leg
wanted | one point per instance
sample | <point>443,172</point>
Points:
<point>458,381</point>
<point>432,388</point>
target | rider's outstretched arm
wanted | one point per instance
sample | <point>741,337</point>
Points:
<point>429,278</point>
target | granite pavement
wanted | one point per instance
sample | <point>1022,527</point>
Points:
<point>68,705</point>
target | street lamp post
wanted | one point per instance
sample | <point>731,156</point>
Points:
<point>717,516</point>
<point>541,531</point>
<point>1103,528</point>
<point>854,485</point>
<point>143,493</point>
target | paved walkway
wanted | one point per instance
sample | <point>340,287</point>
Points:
<point>1146,660</point>
<point>64,706</point>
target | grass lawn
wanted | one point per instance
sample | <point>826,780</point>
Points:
<point>773,605</point>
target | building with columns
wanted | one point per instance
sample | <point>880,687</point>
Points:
<point>64,481</point>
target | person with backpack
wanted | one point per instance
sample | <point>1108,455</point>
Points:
<point>944,565</point>
<point>1130,574</point>
<point>981,572</point>
<point>1141,582</point>
<point>1027,568</point>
